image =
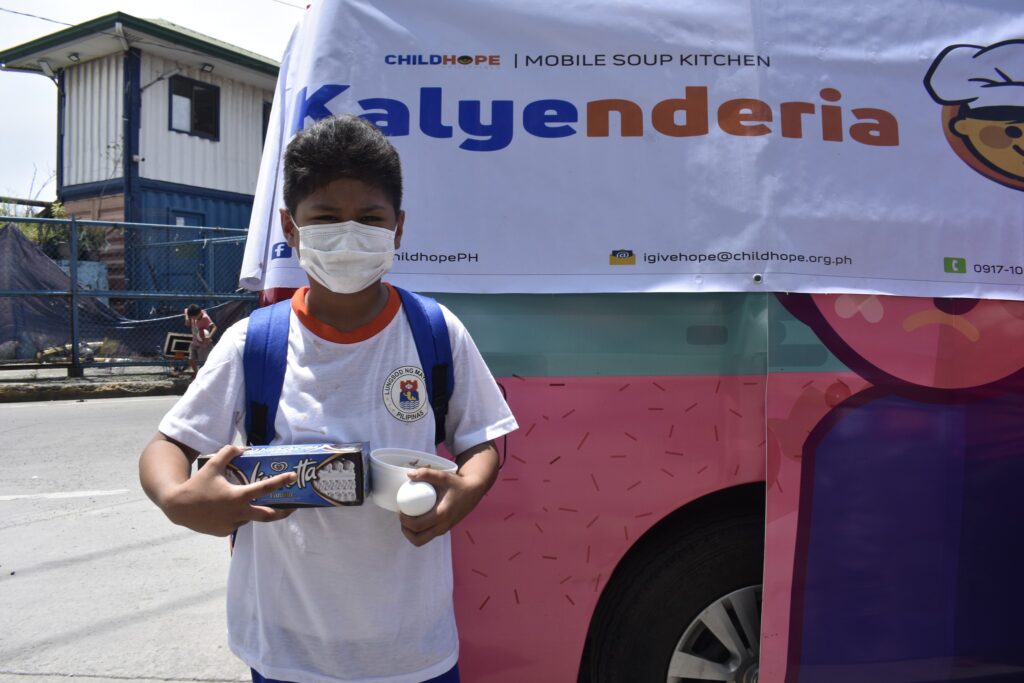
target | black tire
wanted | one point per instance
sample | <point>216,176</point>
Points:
<point>676,572</point>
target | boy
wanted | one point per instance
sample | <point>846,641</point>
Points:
<point>203,328</point>
<point>350,594</point>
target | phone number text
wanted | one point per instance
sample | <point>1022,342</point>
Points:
<point>996,268</point>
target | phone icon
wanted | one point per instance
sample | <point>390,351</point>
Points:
<point>954,264</point>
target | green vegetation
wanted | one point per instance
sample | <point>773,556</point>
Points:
<point>54,239</point>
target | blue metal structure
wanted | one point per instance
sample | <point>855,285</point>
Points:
<point>120,158</point>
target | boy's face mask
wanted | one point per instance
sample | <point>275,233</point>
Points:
<point>346,257</point>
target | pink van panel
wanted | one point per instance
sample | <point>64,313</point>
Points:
<point>596,462</point>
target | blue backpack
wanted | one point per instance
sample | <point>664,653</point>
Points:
<point>266,349</point>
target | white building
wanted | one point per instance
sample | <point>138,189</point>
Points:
<point>156,123</point>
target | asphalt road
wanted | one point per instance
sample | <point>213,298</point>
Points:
<point>95,583</point>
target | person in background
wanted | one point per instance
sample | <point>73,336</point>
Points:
<point>203,328</point>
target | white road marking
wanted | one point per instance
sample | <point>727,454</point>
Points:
<point>65,494</point>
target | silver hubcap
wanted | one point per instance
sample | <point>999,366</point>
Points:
<point>722,643</point>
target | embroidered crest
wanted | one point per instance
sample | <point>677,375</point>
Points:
<point>402,393</point>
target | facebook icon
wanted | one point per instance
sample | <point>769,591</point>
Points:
<point>280,250</point>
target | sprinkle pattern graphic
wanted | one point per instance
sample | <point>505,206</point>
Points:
<point>598,462</point>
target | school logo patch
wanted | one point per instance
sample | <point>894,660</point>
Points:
<point>404,393</point>
<point>409,396</point>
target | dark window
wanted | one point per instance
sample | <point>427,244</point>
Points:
<point>266,119</point>
<point>195,107</point>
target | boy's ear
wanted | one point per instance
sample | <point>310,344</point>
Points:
<point>398,229</point>
<point>291,232</point>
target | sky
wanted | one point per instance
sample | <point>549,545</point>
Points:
<point>28,134</point>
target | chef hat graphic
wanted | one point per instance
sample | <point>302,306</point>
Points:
<point>981,90</point>
<point>979,77</point>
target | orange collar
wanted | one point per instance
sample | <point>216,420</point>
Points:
<point>332,334</point>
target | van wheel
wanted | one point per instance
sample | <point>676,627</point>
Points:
<point>687,607</point>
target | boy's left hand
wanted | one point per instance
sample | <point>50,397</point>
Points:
<point>457,494</point>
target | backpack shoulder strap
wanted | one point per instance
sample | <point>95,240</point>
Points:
<point>263,361</point>
<point>430,333</point>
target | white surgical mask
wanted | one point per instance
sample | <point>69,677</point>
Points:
<point>346,257</point>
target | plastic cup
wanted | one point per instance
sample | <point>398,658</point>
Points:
<point>390,467</point>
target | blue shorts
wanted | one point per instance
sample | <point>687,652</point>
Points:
<point>450,677</point>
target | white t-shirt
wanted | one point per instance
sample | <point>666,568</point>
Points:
<point>339,594</point>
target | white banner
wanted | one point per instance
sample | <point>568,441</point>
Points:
<point>738,145</point>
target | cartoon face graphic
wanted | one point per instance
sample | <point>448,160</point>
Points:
<point>982,93</point>
<point>935,343</point>
<point>999,145</point>
<point>907,487</point>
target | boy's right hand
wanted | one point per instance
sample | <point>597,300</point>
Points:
<point>210,504</point>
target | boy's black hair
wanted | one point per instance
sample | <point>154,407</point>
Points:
<point>194,310</point>
<point>340,147</point>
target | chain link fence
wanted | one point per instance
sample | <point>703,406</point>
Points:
<point>79,294</point>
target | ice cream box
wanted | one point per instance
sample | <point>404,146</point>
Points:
<point>327,475</point>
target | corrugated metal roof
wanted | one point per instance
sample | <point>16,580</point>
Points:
<point>196,35</point>
<point>55,47</point>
